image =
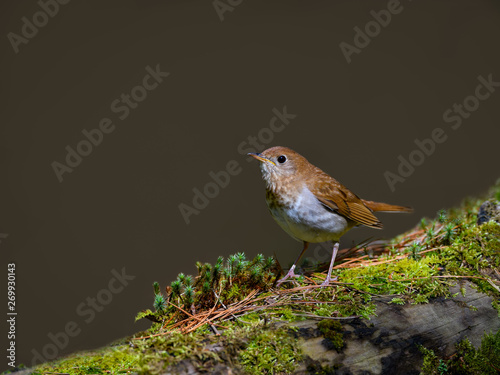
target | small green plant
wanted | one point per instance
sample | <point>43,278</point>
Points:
<point>188,281</point>
<point>430,236</point>
<point>442,216</point>
<point>156,287</point>
<point>160,303</point>
<point>414,250</point>
<point>449,234</point>
<point>423,223</point>
<point>442,368</point>
<point>181,277</point>
<point>397,301</point>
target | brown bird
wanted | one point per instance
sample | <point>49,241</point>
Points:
<point>310,205</point>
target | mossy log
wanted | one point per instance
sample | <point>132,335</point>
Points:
<point>385,344</point>
<point>433,290</point>
<point>388,343</point>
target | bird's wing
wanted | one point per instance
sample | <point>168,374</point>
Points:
<point>338,198</point>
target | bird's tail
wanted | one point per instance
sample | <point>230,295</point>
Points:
<point>385,207</point>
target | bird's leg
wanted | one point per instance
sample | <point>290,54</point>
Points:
<point>291,273</point>
<point>328,275</point>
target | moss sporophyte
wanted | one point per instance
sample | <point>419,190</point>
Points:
<point>231,312</point>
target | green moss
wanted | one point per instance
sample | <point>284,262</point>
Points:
<point>397,301</point>
<point>111,361</point>
<point>270,352</point>
<point>332,330</point>
<point>258,348</point>
<point>326,310</point>
<point>406,277</point>
<point>430,363</point>
<point>468,360</point>
<point>496,306</point>
<point>233,294</point>
<point>146,314</point>
<point>159,352</point>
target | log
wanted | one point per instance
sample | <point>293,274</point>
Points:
<point>388,343</point>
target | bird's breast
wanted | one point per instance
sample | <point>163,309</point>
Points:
<point>304,218</point>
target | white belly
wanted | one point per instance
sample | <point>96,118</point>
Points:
<point>306,219</point>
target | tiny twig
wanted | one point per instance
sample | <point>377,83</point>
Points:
<point>433,249</point>
<point>493,285</point>
<point>329,317</point>
<point>438,277</point>
<point>342,265</point>
<point>217,333</point>
<point>168,321</point>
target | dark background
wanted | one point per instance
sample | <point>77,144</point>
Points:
<point>119,207</point>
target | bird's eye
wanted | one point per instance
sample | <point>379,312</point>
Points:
<point>281,159</point>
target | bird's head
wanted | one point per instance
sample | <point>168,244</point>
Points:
<point>280,165</point>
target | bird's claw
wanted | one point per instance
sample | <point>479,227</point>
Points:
<point>327,281</point>
<point>288,275</point>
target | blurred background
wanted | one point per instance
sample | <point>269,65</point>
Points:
<point>232,66</point>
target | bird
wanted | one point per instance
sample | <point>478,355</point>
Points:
<point>312,206</point>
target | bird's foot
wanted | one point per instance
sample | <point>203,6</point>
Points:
<point>327,281</point>
<point>290,274</point>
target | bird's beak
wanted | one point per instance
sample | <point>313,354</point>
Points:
<point>260,158</point>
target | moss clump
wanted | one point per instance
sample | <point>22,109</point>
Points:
<point>159,352</point>
<point>255,348</point>
<point>476,248</point>
<point>270,352</point>
<point>482,361</point>
<point>432,365</point>
<point>408,277</point>
<point>225,282</point>
<point>108,361</point>
<point>332,331</point>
